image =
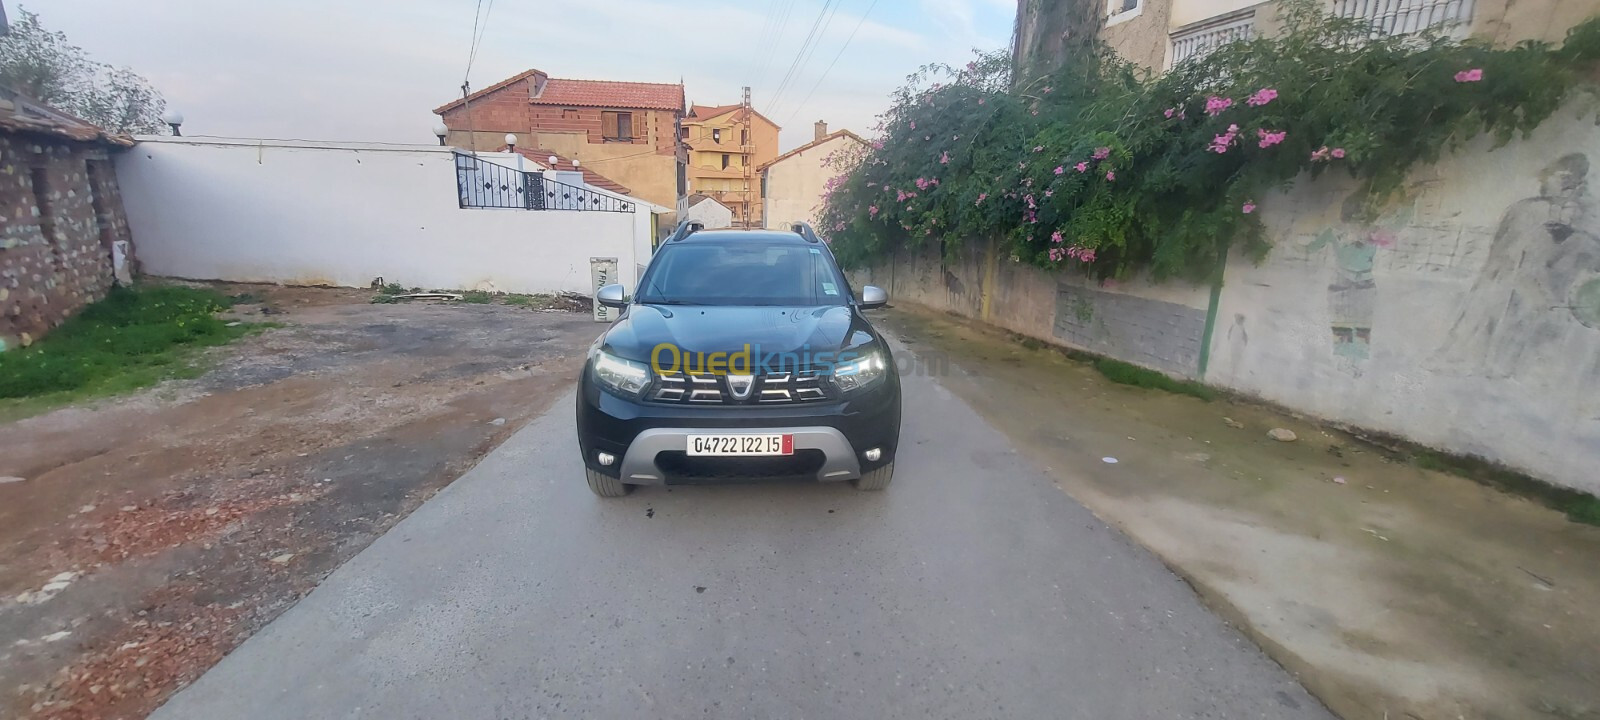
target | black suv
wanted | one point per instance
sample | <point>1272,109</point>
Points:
<point>745,355</point>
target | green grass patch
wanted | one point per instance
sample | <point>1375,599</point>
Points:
<point>1578,506</point>
<point>521,300</point>
<point>477,297</point>
<point>1128,374</point>
<point>131,339</point>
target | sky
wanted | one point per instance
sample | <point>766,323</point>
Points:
<point>373,70</point>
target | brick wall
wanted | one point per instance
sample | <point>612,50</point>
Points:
<point>60,211</point>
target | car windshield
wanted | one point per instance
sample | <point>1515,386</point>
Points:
<point>743,273</point>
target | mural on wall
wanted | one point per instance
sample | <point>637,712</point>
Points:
<point>1539,286</point>
<point>1353,294</point>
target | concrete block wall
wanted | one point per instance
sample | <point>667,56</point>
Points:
<point>1465,316</point>
<point>61,211</point>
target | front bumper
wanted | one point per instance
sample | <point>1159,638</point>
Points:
<point>650,439</point>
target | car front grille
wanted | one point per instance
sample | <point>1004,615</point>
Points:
<point>781,388</point>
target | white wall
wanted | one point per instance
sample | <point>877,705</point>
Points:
<point>1466,316</point>
<point>796,183</point>
<point>313,213</point>
<point>710,213</point>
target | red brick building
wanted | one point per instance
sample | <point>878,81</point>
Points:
<point>61,217</point>
<point>626,131</point>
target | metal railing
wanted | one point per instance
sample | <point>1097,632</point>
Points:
<point>1403,17</point>
<point>482,184</point>
<point>1201,38</point>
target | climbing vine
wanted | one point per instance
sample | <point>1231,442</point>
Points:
<point>1100,166</point>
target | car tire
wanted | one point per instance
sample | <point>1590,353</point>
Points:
<point>877,479</point>
<point>604,485</point>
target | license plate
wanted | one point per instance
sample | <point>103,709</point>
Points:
<point>773,444</point>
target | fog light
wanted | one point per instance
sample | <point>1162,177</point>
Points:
<point>606,459</point>
<point>873,454</point>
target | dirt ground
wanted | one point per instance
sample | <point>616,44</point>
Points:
<point>1391,591</point>
<point>149,535</point>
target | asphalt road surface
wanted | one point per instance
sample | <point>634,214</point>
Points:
<point>972,588</point>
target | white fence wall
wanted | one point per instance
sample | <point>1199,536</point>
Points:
<point>317,213</point>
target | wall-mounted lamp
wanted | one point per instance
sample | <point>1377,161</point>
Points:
<point>511,143</point>
<point>439,131</point>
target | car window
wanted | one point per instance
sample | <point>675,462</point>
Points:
<point>743,273</point>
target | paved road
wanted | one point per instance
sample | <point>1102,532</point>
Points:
<point>972,588</point>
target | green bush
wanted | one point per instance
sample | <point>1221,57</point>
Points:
<point>1102,167</point>
<point>131,338</point>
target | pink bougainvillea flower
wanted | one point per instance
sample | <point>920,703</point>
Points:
<point>944,158</point>
<point>1048,193</point>
<point>1466,76</point>
<point>1320,154</point>
<point>877,144</point>
<point>980,101</point>
<point>1249,207</point>
<point>1102,153</point>
<point>1047,90</point>
<point>1038,148</point>
<point>1338,153</point>
<point>1261,97</point>
<point>1169,112</point>
<point>933,181</point>
<point>913,124</point>
<point>1057,253</point>
<point>1029,199</point>
<point>1268,138</point>
<point>1215,105</point>
<point>900,196</point>
<point>1111,175</point>
<point>872,211</point>
<point>1022,166</point>
<point>1055,237</point>
<point>1033,112</point>
<point>981,198</point>
<point>1081,167</point>
<point>838,226</point>
<point>1060,169</point>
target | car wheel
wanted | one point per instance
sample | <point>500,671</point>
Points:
<point>877,479</point>
<point>604,485</point>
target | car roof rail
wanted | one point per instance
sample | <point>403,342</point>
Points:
<point>803,229</point>
<point>685,229</point>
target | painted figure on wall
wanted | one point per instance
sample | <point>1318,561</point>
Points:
<point>1352,296</point>
<point>1540,283</point>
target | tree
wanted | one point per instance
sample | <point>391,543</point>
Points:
<point>45,66</point>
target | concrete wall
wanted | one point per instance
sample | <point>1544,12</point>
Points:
<point>1465,316</point>
<point>56,234</point>
<point>795,184</point>
<point>710,213</point>
<point>344,214</point>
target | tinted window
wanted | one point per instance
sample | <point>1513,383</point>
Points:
<point>743,273</point>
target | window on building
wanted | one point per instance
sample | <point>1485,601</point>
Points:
<point>716,135</point>
<point>47,214</point>
<point>616,126</point>
<point>1129,5</point>
<point>569,114</point>
<point>683,132</point>
<point>744,160</point>
<point>724,161</point>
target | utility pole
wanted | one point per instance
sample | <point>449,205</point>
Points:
<point>747,140</point>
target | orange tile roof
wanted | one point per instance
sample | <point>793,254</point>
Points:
<point>542,156</point>
<point>706,112</point>
<point>492,88</point>
<point>608,93</point>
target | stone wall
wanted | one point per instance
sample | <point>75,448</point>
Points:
<point>60,215</point>
<point>1465,316</point>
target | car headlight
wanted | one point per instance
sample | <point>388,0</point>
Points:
<point>860,373</point>
<point>624,377</point>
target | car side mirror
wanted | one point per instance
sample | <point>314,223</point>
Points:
<point>611,296</point>
<point>873,296</point>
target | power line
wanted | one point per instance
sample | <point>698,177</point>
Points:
<point>800,55</point>
<point>836,57</point>
<point>472,44</point>
<point>771,39</point>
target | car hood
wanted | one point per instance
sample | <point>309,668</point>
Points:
<point>711,329</point>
